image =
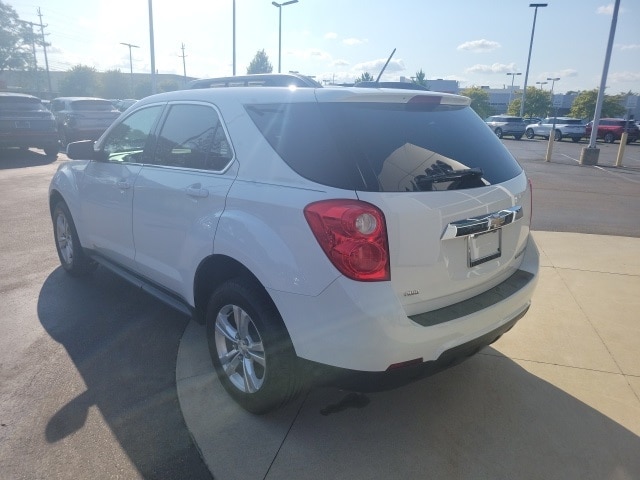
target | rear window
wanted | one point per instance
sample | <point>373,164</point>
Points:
<point>386,147</point>
<point>92,105</point>
<point>21,104</point>
<point>567,121</point>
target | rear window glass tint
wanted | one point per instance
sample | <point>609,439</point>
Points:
<point>92,105</point>
<point>25,104</point>
<point>381,146</point>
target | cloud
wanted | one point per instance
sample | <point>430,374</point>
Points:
<point>624,77</point>
<point>566,73</point>
<point>330,35</point>
<point>633,46</point>
<point>479,46</point>
<point>495,68</point>
<point>353,41</point>
<point>340,63</point>
<point>605,10</point>
<point>376,65</point>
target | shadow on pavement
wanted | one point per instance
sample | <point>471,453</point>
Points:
<point>18,158</point>
<point>486,418</point>
<point>124,345</point>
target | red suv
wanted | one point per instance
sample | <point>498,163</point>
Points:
<point>611,129</point>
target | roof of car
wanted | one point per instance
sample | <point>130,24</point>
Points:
<point>16,94</point>
<point>261,95</point>
<point>73,99</point>
<point>256,79</point>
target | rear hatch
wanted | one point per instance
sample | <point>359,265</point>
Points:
<point>457,204</point>
<point>18,113</point>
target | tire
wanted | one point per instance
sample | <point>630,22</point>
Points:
<point>51,151</point>
<point>498,132</point>
<point>575,139</point>
<point>609,138</point>
<point>517,137</point>
<point>250,347</point>
<point>72,257</point>
<point>558,136</point>
<point>529,133</point>
<point>64,139</point>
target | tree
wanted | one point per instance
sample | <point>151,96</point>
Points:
<point>365,77</point>
<point>421,79</point>
<point>114,84</point>
<point>79,81</point>
<point>260,64</point>
<point>168,86</point>
<point>538,104</point>
<point>479,101</point>
<point>15,37</point>
<point>584,105</point>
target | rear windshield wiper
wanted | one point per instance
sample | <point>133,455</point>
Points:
<point>466,178</point>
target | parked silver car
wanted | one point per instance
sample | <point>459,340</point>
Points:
<point>566,127</point>
<point>507,125</point>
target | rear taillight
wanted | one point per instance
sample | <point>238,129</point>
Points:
<point>353,235</point>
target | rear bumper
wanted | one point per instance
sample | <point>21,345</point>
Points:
<point>363,327</point>
<point>359,381</point>
<point>28,139</point>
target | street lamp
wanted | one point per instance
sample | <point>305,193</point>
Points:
<point>541,83</point>
<point>553,82</point>
<point>526,75</point>
<point>130,62</point>
<point>513,77</point>
<point>280,5</point>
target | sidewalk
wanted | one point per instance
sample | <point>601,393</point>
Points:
<point>558,397</point>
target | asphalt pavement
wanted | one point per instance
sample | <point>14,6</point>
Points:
<point>98,380</point>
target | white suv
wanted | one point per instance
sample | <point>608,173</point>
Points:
<point>347,235</point>
<point>565,127</point>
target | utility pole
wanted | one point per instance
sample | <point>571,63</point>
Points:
<point>35,60</point>
<point>46,60</point>
<point>130,63</point>
<point>184,65</point>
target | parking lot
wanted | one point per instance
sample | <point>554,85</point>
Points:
<point>99,380</point>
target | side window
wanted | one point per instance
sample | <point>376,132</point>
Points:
<point>126,142</point>
<point>192,137</point>
<point>57,105</point>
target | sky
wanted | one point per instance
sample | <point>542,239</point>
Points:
<point>474,42</point>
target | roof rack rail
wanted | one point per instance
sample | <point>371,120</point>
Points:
<point>256,80</point>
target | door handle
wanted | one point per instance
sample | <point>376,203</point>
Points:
<point>123,184</point>
<point>197,191</point>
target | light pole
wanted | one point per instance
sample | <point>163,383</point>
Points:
<point>513,77</point>
<point>130,63</point>
<point>526,75</point>
<point>552,132</point>
<point>280,5</point>
<point>541,83</point>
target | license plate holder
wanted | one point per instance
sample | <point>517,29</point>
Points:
<point>22,124</point>
<point>483,247</point>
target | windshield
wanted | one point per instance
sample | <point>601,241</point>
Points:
<point>386,147</point>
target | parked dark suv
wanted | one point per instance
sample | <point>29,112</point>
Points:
<point>611,129</point>
<point>25,122</point>
<point>82,118</point>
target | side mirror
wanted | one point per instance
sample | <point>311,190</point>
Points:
<point>82,150</point>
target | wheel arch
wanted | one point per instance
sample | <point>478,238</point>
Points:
<point>212,272</point>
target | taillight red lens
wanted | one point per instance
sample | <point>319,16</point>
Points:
<point>353,235</point>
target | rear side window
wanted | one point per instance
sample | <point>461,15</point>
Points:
<point>386,147</point>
